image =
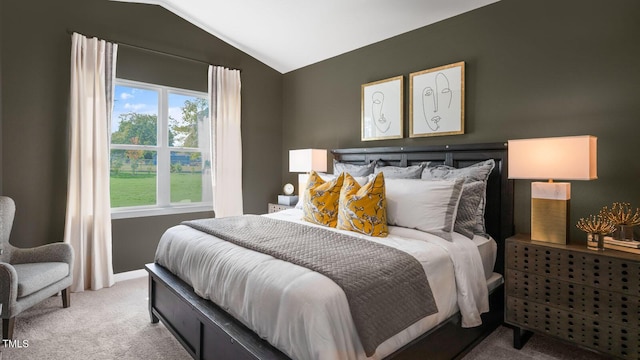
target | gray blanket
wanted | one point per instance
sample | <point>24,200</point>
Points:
<point>386,288</point>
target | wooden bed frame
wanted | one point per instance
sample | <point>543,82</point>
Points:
<point>207,332</point>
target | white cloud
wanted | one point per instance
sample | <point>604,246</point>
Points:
<point>134,107</point>
<point>126,96</point>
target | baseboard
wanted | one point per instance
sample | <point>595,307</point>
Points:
<point>129,275</point>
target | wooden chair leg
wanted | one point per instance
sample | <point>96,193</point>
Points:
<point>66,298</point>
<point>7,328</point>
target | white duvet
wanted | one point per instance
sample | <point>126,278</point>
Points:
<point>304,313</point>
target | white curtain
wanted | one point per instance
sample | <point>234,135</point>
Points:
<point>226,149</point>
<point>88,219</point>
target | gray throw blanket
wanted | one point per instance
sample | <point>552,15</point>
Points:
<point>386,288</point>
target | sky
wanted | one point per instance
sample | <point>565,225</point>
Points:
<point>128,99</point>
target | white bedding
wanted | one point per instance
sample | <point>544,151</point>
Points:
<point>304,313</point>
<point>488,249</point>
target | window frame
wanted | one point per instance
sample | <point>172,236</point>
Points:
<point>163,151</point>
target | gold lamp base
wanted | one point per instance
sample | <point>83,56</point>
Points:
<point>549,220</point>
<point>550,212</point>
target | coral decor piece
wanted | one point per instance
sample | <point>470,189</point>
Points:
<point>621,214</point>
<point>596,225</point>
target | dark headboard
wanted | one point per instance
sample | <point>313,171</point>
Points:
<point>499,207</point>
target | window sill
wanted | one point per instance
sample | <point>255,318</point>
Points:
<point>134,212</point>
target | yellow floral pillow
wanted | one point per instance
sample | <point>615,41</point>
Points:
<point>321,200</point>
<point>363,209</point>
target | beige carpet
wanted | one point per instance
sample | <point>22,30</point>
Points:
<point>114,324</point>
<point>109,324</point>
<point>498,346</point>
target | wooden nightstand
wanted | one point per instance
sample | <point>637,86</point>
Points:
<point>589,298</point>
<point>277,207</point>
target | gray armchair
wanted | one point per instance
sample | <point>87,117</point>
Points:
<point>28,276</point>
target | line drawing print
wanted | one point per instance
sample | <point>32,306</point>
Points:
<point>381,105</point>
<point>433,100</point>
<point>437,101</point>
<point>377,104</point>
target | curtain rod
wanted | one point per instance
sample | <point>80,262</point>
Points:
<point>70,32</point>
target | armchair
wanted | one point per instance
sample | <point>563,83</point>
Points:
<point>28,276</point>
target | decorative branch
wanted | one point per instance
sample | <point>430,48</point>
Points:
<point>621,214</point>
<point>596,225</point>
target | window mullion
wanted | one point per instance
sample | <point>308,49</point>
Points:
<point>134,147</point>
<point>164,166</point>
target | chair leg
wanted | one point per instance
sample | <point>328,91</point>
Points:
<point>66,298</point>
<point>7,328</point>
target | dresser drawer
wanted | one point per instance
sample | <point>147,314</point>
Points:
<point>589,298</point>
<point>277,207</point>
<point>585,300</point>
<point>582,330</point>
<point>596,270</point>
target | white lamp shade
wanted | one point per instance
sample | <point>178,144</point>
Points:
<point>305,160</point>
<point>562,158</point>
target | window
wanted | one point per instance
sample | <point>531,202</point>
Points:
<point>160,157</point>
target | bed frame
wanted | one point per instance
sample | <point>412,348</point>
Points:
<point>207,332</point>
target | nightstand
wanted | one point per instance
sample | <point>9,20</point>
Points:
<point>585,297</point>
<point>277,207</point>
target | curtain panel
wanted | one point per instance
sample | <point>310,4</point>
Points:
<point>88,217</point>
<point>226,149</point>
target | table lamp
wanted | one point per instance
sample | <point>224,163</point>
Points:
<point>305,160</point>
<point>555,158</point>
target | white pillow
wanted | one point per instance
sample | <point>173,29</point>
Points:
<point>362,180</point>
<point>429,206</point>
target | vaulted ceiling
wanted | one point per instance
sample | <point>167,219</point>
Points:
<point>290,34</point>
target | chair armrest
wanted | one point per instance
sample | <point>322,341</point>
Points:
<point>8,288</point>
<point>55,252</point>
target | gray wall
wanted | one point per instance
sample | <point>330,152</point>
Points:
<point>1,11</point>
<point>533,69</point>
<point>135,239</point>
<point>36,47</point>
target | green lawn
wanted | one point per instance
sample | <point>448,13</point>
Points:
<point>140,189</point>
<point>186,186</point>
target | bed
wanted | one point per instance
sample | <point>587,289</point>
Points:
<point>208,331</point>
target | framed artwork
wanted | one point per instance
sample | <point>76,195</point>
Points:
<point>437,101</point>
<point>381,107</point>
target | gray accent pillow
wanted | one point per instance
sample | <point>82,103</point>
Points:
<point>401,172</point>
<point>472,195</point>
<point>476,172</point>
<point>354,170</point>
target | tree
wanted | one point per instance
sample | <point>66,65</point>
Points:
<point>138,126</point>
<point>116,165</point>
<point>134,155</point>
<point>192,113</point>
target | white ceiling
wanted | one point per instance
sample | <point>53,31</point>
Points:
<point>290,34</point>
